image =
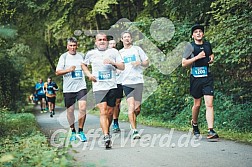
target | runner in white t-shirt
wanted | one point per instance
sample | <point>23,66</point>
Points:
<point>132,77</point>
<point>71,67</point>
<point>104,62</point>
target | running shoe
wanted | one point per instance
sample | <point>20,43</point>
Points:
<point>107,141</point>
<point>212,135</point>
<point>73,136</point>
<point>135,135</point>
<point>51,114</point>
<point>82,136</point>
<point>196,131</point>
<point>116,128</point>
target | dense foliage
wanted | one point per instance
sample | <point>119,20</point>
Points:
<point>22,144</point>
<point>231,36</point>
<point>33,34</point>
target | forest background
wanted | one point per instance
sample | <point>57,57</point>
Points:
<point>33,35</point>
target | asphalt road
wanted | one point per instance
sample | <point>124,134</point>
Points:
<point>157,147</point>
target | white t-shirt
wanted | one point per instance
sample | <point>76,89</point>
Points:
<point>132,75</point>
<point>105,73</point>
<point>119,76</point>
<point>72,81</point>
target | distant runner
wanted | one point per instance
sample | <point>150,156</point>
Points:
<point>50,89</point>
<point>39,88</point>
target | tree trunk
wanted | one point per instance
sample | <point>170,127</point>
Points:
<point>118,10</point>
<point>48,56</point>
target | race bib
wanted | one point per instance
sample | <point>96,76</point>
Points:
<point>50,92</point>
<point>105,75</point>
<point>128,59</point>
<point>77,74</point>
<point>199,71</point>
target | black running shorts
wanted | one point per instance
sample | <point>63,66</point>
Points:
<point>201,86</point>
<point>106,96</point>
<point>70,98</point>
<point>40,97</point>
<point>51,99</point>
<point>119,91</point>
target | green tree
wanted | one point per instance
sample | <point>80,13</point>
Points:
<point>230,32</point>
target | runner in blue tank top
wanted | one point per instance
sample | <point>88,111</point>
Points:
<point>39,88</point>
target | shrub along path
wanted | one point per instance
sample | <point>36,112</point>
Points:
<point>157,147</point>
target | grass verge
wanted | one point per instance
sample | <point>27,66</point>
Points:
<point>22,144</point>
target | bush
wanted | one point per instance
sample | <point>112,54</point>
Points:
<point>169,98</point>
<point>228,116</point>
<point>23,145</point>
<point>232,116</point>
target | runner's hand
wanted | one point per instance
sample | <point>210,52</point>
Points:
<point>72,68</point>
<point>200,55</point>
<point>211,59</point>
<point>92,78</point>
<point>108,61</point>
<point>136,63</point>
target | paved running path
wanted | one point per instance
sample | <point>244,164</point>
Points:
<point>158,147</point>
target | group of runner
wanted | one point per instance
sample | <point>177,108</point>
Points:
<point>117,72</point>
<point>45,94</point>
<point>113,72</point>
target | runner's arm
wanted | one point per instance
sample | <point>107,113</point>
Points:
<point>145,63</point>
<point>188,62</point>
<point>88,73</point>
<point>118,65</point>
<point>65,71</point>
